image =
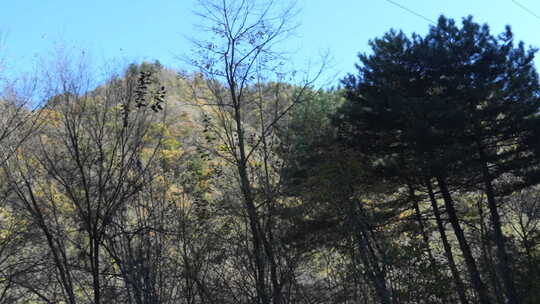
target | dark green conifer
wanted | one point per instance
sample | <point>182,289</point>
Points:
<point>458,105</point>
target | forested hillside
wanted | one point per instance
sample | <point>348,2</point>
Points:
<point>413,180</point>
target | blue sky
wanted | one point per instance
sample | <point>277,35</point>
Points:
<point>135,30</point>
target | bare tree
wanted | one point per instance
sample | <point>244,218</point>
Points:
<point>19,109</point>
<point>245,100</point>
<point>20,114</point>
<point>91,159</point>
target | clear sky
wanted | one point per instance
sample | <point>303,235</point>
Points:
<point>136,30</point>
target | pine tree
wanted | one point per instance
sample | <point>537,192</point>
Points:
<point>459,106</point>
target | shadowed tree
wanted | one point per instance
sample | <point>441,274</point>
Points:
<point>446,106</point>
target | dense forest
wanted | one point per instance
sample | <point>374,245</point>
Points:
<point>413,180</point>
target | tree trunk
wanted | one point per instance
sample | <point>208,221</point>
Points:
<point>487,256</point>
<point>446,245</point>
<point>96,284</point>
<point>368,257</point>
<point>503,263</point>
<point>420,221</point>
<point>474,275</point>
<point>258,241</point>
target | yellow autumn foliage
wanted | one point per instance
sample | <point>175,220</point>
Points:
<point>406,213</point>
<point>49,117</point>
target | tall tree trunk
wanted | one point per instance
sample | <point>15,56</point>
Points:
<point>503,263</point>
<point>368,256</point>
<point>258,238</point>
<point>420,221</point>
<point>96,284</point>
<point>474,274</point>
<point>258,250</point>
<point>487,256</point>
<point>446,245</point>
